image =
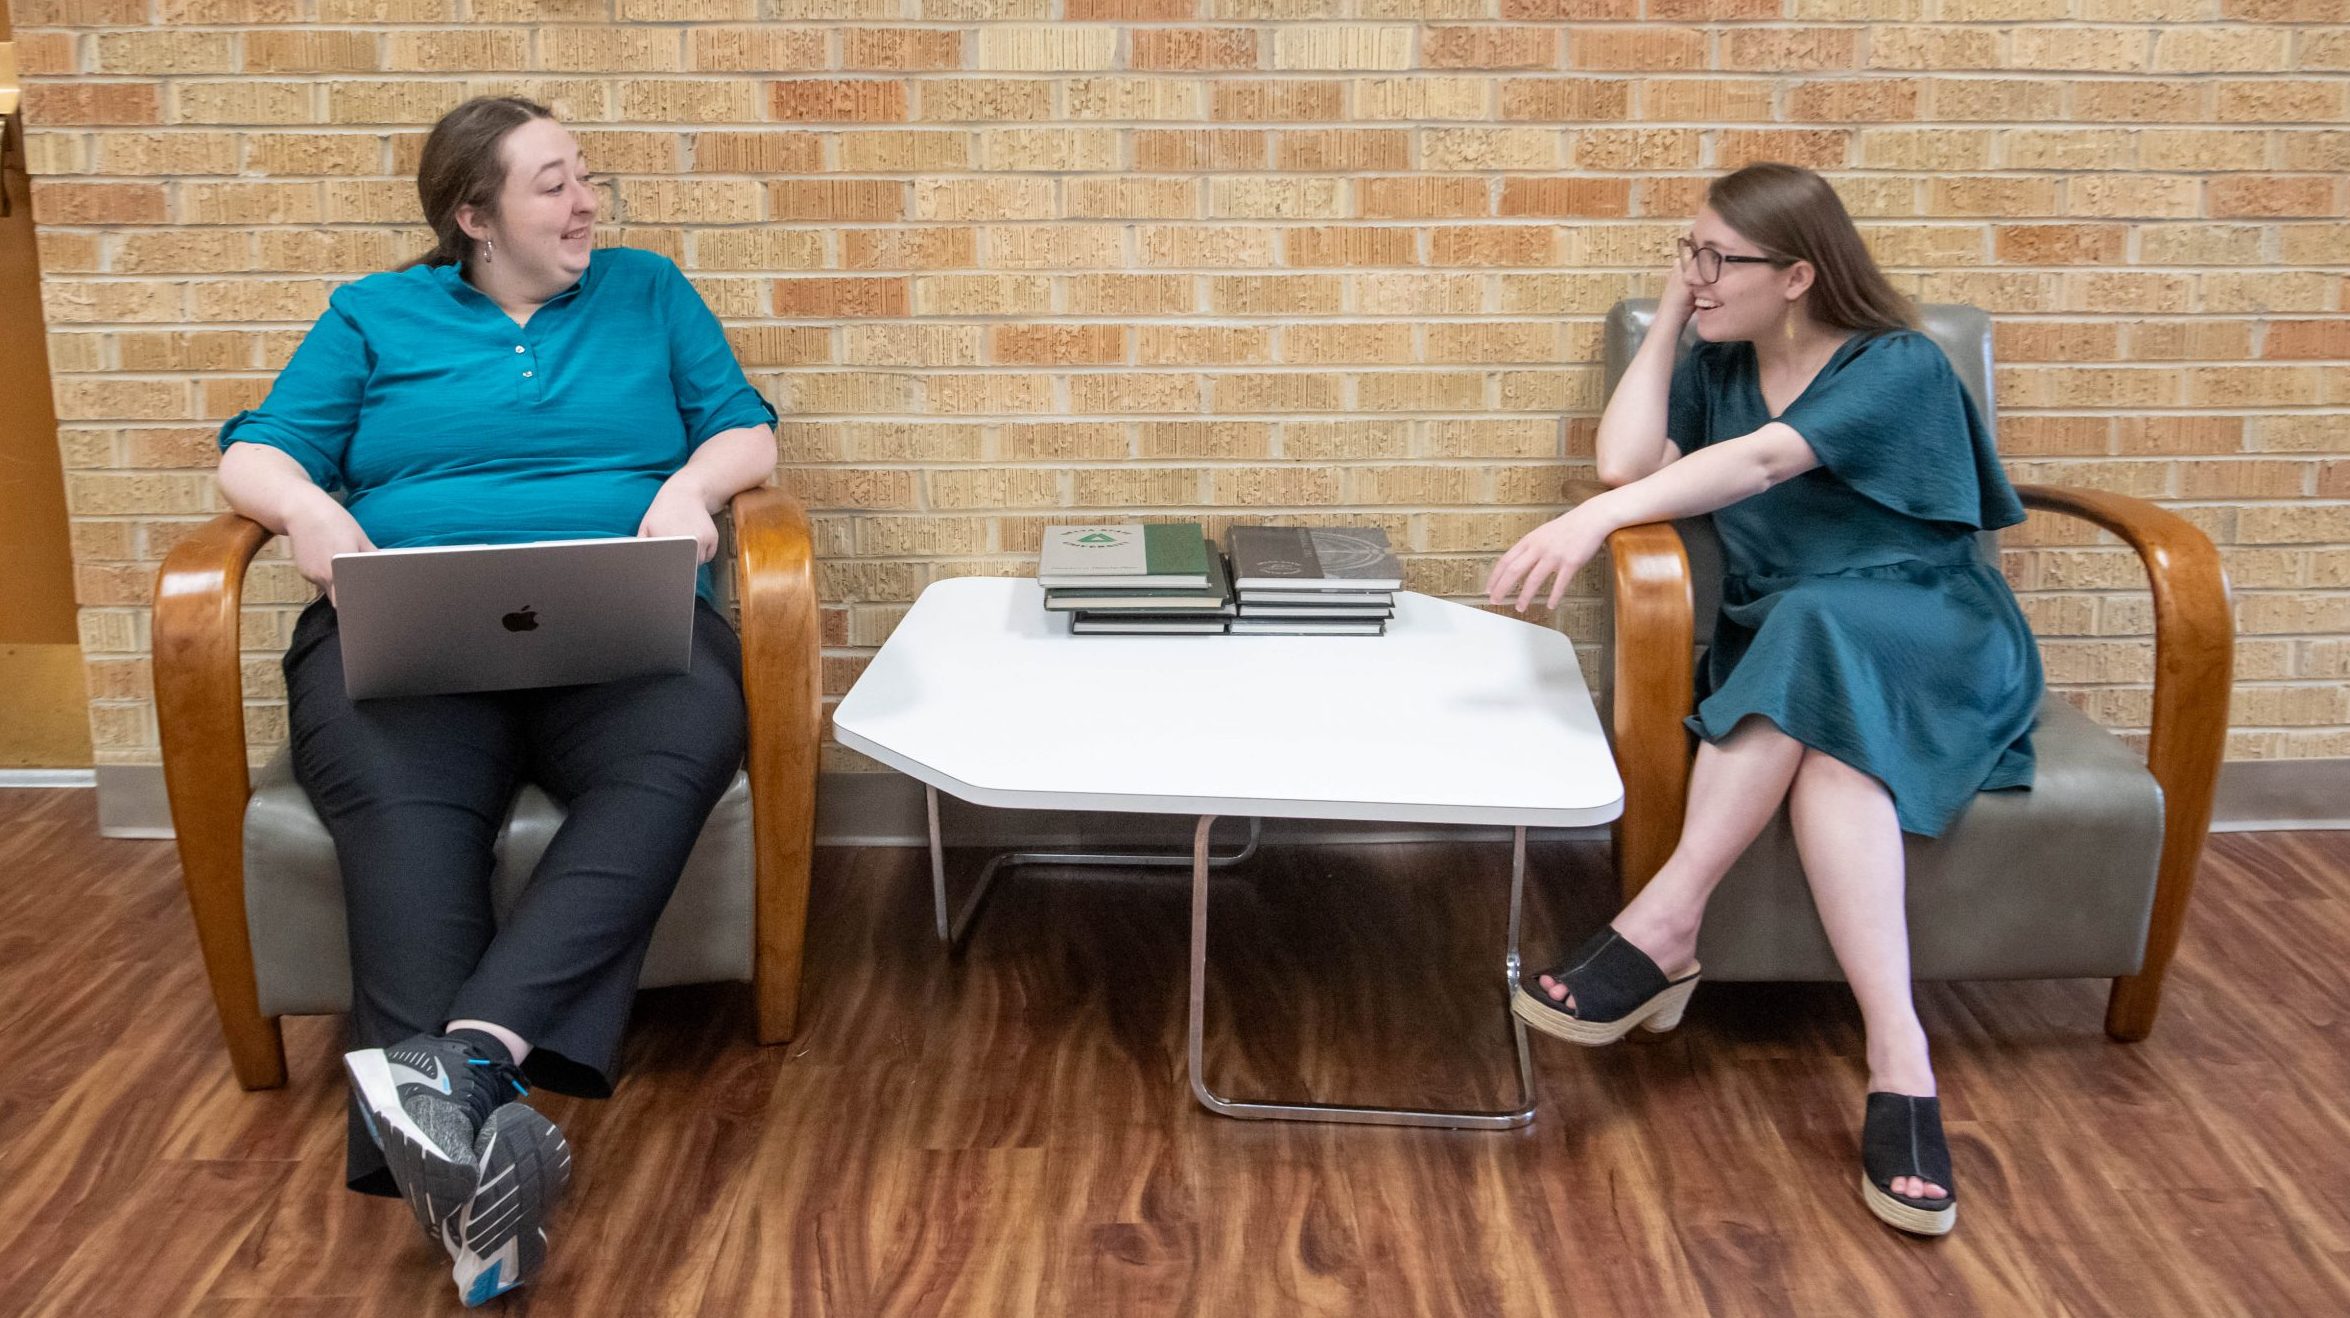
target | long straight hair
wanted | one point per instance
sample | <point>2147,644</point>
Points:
<point>1793,215</point>
<point>462,165</point>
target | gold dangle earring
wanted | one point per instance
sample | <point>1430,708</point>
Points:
<point>1787,325</point>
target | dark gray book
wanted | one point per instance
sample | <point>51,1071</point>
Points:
<point>1354,558</point>
<point>1139,624</point>
<point>1308,627</point>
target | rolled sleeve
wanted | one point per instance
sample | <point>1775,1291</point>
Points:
<point>713,396</point>
<point>313,408</point>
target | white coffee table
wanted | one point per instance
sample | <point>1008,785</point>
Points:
<point>1456,716</point>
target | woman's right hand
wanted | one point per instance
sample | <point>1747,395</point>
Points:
<point>1677,299</point>
<point>321,530</point>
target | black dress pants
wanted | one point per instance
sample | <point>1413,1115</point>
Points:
<point>414,789</point>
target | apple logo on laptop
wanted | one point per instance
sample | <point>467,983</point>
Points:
<point>524,619</point>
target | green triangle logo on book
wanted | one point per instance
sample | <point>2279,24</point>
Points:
<point>1097,538</point>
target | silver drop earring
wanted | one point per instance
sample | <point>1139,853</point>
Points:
<point>489,250</point>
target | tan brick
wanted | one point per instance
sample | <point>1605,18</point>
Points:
<point>83,302</point>
<point>986,100</point>
<point>1360,343</point>
<point>1271,392</point>
<point>1489,48</point>
<point>387,11</point>
<point>1060,246</point>
<point>2267,291</point>
<point>840,298</point>
<point>1215,246</point>
<point>2061,244</point>
<point>1276,198</point>
<point>2148,435</point>
<point>1421,98</point>
<point>80,13</point>
<point>312,153</point>
<point>1135,487</point>
<point>1417,294</point>
<point>836,100</point>
<point>1342,47</point>
<point>900,48</point>
<point>1057,345</point>
<point>1814,148</point>
<point>859,200</point>
<point>1924,47</point>
<point>1062,441</point>
<point>2272,194</point>
<point>1565,197</point>
<point>182,251</point>
<point>2313,244</point>
<point>1132,198</point>
<point>611,50</point>
<point>997,488</point>
<point>52,105</point>
<point>2068,148</point>
<point>2201,149</point>
<point>1500,244</point>
<point>1494,343</point>
<point>1646,50</point>
<point>733,152</point>
<point>904,151</point>
<point>989,395</point>
<point>1343,150</point>
<point>690,201</point>
<point>781,345</point>
<point>2156,196</point>
<point>2017,100</point>
<point>928,248</point>
<point>1874,100</point>
<point>1132,98</point>
<point>1094,150</point>
<point>352,201</point>
<point>537,11</point>
<point>2322,340</point>
<point>1289,101</point>
<point>1047,49</point>
<point>1274,295</point>
<point>2282,101</point>
<point>1257,487</point>
<point>1569,295</point>
<point>2223,50</point>
<point>1180,151</point>
<point>983,295</point>
<point>1347,246</point>
<point>1011,198</point>
<point>913,345</point>
<point>162,52</point>
<point>1704,101</point>
<point>1423,197</point>
<point>1127,392</point>
<point>1566,100</point>
<point>84,399</point>
<point>97,203</point>
<point>1490,149</point>
<point>2089,50</point>
<point>1205,439</point>
<point>1994,196</point>
<point>752,50</point>
<point>354,102</point>
<point>2316,151</point>
<point>1129,295</point>
<point>1326,440</point>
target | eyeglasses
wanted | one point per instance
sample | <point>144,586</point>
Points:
<point>1706,263</point>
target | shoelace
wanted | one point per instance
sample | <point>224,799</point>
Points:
<point>496,1083</point>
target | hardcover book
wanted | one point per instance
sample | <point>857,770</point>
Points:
<point>1130,555</point>
<point>1353,558</point>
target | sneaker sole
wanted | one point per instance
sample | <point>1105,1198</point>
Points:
<point>434,1184</point>
<point>523,1173</point>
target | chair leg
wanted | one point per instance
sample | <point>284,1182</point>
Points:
<point>256,1046</point>
<point>2136,999</point>
<point>782,939</point>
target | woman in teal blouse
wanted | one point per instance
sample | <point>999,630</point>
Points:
<point>1868,669</point>
<point>515,384</point>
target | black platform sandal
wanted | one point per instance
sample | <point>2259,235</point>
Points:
<point>1615,987</point>
<point>1902,1136</point>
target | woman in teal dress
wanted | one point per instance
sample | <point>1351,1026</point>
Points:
<point>1869,669</point>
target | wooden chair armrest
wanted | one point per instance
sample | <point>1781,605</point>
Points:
<point>2194,661</point>
<point>775,584</point>
<point>200,717</point>
<point>1654,684</point>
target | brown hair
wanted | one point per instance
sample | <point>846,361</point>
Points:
<point>462,166</point>
<point>1793,215</point>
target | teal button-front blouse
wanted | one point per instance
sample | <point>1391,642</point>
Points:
<point>444,422</point>
<point>1857,613</point>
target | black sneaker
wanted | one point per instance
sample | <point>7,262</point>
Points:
<point>499,1236</point>
<point>424,1100</point>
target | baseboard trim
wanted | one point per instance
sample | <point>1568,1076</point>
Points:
<point>885,810</point>
<point>48,778</point>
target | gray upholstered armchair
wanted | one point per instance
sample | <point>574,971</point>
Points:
<point>260,870</point>
<point>2085,875</point>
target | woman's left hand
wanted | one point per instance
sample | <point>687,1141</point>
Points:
<point>1554,551</point>
<point>678,509</point>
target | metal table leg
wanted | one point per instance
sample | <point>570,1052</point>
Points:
<point>1366,1116</point>
<point>953,931</point>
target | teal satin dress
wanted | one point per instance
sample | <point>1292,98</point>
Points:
<point>1857,613</point>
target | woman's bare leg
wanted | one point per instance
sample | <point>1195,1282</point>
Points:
<point>1734,790</point>
<point>1850,841</point>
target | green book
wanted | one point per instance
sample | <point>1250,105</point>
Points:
<point>1217,598</point>
<point>1172,555</point>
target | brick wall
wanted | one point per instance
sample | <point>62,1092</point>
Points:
<point>1001,262</point>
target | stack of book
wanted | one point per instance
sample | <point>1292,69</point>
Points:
<point>1135,580</point>
<point>1317,581</point>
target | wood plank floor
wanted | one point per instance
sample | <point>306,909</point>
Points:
<point>1007,1133</point>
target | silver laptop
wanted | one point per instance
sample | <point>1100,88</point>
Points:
<point>444,619</point>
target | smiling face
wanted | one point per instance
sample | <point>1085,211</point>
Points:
<point>1751,299</point>
<point>545,224</point>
